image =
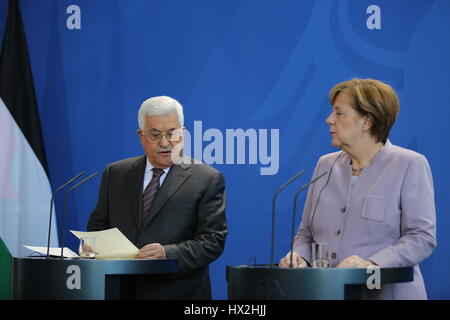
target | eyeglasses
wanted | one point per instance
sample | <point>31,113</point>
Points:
<point>156,136</point>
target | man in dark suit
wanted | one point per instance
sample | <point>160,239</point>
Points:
<point>167,206</point>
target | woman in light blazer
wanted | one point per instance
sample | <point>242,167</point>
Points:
<point>376,204</point>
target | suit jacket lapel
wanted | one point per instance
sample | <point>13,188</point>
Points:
<point>177,175</point>
<point>135,180</point>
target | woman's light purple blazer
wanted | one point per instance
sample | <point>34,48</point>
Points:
<point>386,216</point>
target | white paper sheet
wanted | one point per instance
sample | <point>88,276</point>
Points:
<point>110,244</point>
<point>53,251</point>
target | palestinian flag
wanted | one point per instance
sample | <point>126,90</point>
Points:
<point>25,190</point>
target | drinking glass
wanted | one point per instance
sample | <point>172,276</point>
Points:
<point>87,248</point>
<point>319,255</point>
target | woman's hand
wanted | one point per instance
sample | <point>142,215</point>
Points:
<point>297,261</point>
<point>355,262</point>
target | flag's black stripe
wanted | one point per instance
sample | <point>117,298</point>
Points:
<point>16,81</point>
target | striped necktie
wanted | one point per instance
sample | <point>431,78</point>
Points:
<point>150,192</point>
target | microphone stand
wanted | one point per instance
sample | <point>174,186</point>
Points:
<point>63,223</point>
<point>294,213</point>
<point>52,203</point>
<point>273,212</point>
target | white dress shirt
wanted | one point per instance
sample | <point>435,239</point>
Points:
<point>149,174</point>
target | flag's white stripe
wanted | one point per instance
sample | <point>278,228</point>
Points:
<point>24,191</point>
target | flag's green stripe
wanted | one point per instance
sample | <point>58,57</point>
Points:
<point>5,272</point>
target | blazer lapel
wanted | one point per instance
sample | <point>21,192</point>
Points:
<point>135,180</point>
<point>177,175</point>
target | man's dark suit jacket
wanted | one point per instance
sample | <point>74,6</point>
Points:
<point>187,217</point>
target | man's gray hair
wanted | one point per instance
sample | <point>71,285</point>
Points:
<point>160,106</point>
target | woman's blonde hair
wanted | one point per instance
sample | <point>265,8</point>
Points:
<point>372,98</point>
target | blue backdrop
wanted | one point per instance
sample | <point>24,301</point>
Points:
<point>262,64</point>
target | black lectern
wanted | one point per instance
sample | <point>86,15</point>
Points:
<point>82,279</point>
<point>266,282</point>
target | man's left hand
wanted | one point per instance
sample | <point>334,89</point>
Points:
<point>152,251</point>
<point>355,262</point>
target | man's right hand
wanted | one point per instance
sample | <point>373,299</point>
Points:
<point>297,261</point>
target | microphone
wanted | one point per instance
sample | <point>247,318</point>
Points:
<point>63,223</point>
<point>295,210</point>
<point>52,202</point>
<point>273,211</point>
